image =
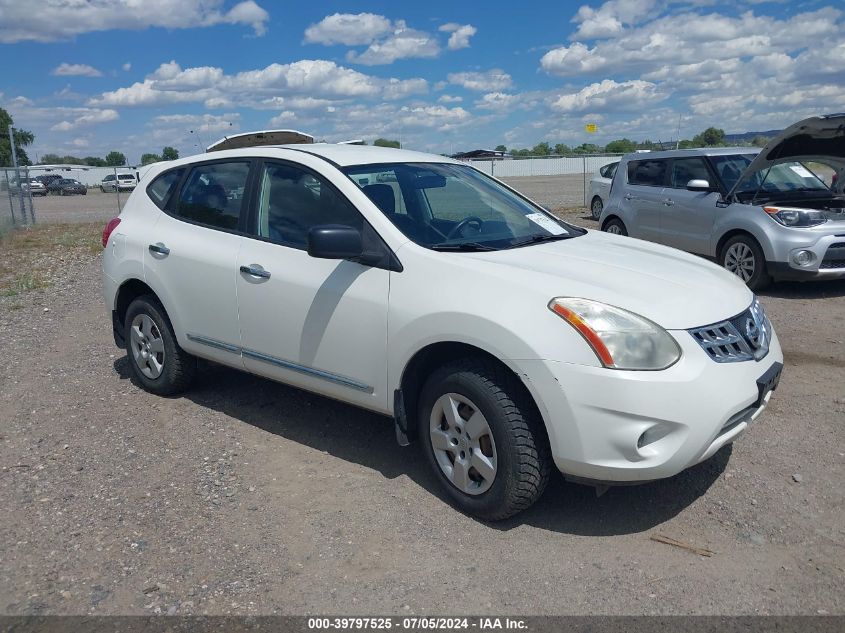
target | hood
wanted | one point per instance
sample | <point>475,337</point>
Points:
<point>674,289</point>
<point>821,137</point>
<point>261,138</point>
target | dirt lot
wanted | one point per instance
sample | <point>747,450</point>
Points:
<point>245,496</point>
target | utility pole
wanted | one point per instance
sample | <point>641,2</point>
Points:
<point>17,171</point>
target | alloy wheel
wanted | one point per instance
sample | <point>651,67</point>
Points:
<point>614,229</point>
<point>739,259</point>
<point>147,346</point>
<point>463,444</point>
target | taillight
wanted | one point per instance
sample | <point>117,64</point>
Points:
<point>111,226</point>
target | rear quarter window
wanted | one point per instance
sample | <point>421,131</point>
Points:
<point>159,190</point>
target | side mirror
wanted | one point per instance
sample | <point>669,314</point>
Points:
<point>699,185</point>
<point>335,241</point>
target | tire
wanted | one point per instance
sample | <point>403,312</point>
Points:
<point>615,226</point>
<point>168,371</point>
<point>509,439</point>
<point>596,207</point>
<point>743,256</point>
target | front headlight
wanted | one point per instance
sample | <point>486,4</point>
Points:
<point>620,339</point>
<point>796,217</point>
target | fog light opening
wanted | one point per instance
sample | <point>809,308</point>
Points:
<point>652,435</point>
<point>803,258</point>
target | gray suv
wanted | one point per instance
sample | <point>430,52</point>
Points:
<point>762,214</point>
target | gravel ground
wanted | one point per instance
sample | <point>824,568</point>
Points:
<point>248,497</point>
<point>555,192</point>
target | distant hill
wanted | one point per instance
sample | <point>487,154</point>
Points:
<point>746,137</point>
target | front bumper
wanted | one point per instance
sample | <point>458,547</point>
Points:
<point>828,256</point>
<point>596,418</point>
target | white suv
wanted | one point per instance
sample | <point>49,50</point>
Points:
<point>506,340</point>
<point>125,182</point>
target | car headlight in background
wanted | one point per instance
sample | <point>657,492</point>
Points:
<point>620,339</point>
<point>796,217</point>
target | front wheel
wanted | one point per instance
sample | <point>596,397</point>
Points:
<point>157,361</point>
<point>484,439</point>
<point>743,256</point>
<point>596,208</point>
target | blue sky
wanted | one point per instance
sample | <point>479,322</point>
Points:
<point>135,75</point>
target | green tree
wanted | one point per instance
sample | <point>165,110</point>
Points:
<point>620,146</point>
<point>710,137</point>
<point>760,141</point>
<point>94,161</point>
<point>22,139</point>
<point>501,148</point>
<point>115,159</point>
<point>686,144</point>
<point>541,149</point>
<point>384,142</point>
<point>146,159</point>
<point>587,148</point>
<point>562,148</point>
<point>169,153</point>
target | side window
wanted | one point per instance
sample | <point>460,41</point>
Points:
<point>686,169</point>
<point>651,173</point>
<point>291,201</point>
<point>213,194</point>
<point>159,189</point>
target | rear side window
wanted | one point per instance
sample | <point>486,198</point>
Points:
<point>651,173</point>
<point>608,171</point>
<point>686,169</point>
<point>213,194</point>
<point>159,190</point>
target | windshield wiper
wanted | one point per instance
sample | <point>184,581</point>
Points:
<point>535,239</point>
<point>467,247</point>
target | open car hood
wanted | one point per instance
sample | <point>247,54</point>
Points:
<point>257,139</point>
<point>817,138</point>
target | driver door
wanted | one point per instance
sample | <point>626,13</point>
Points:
<point>318,324</point>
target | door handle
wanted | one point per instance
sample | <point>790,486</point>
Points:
<point>159,248</point>
<point>668,202</point>
<point>256,271</point>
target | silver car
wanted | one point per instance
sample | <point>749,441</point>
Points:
<point>774,213</point>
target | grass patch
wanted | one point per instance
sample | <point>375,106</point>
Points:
<point>34,249</point>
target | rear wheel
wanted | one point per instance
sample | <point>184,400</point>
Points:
<point>484,439</point>
<point>743,256</point>
<point>157,361</point>
<point>596,208</point>
<point>615,226</point>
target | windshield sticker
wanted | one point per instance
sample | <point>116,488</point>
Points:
<point>544,221</point>
<point>801,171</point>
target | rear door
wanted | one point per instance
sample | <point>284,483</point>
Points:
<point>687,216</point>
<point>644,197</point>
<point>192,257</point>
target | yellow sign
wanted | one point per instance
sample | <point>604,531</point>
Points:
<point>591,128</point>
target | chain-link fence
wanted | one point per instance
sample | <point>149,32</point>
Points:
<point>17,207</point>
<point>554,181</point>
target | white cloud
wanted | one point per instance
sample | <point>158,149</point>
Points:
<point>610,95</point>
<point>75,70</point>
<point>283,118</point>
<point>127,66</point>
<point>82,117</point>
<point>610,18</point>
<point>347,28</point>
<point>450,99</point>
<point>402,43</point>
<point>320,79</point>
<point>494,79</point>
<point>498,101</point>
<point>63,19</point>
<point>460,34</point>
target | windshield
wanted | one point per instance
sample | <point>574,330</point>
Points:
<point>782,178</point>
<point>455,207</point>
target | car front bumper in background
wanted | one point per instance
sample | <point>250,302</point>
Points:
<point>627,426</point>
<point>828,252</point>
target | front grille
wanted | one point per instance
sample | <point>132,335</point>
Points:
<point>743,337</point>
<point>834,257</point>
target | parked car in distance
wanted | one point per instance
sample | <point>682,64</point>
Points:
<point>67,187</point>
<point>762,214</point>
<point>124,182</point>
<point>600,188</point>
<point>46,179</point>
<point>34,187</point>
<point>505,340</point>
